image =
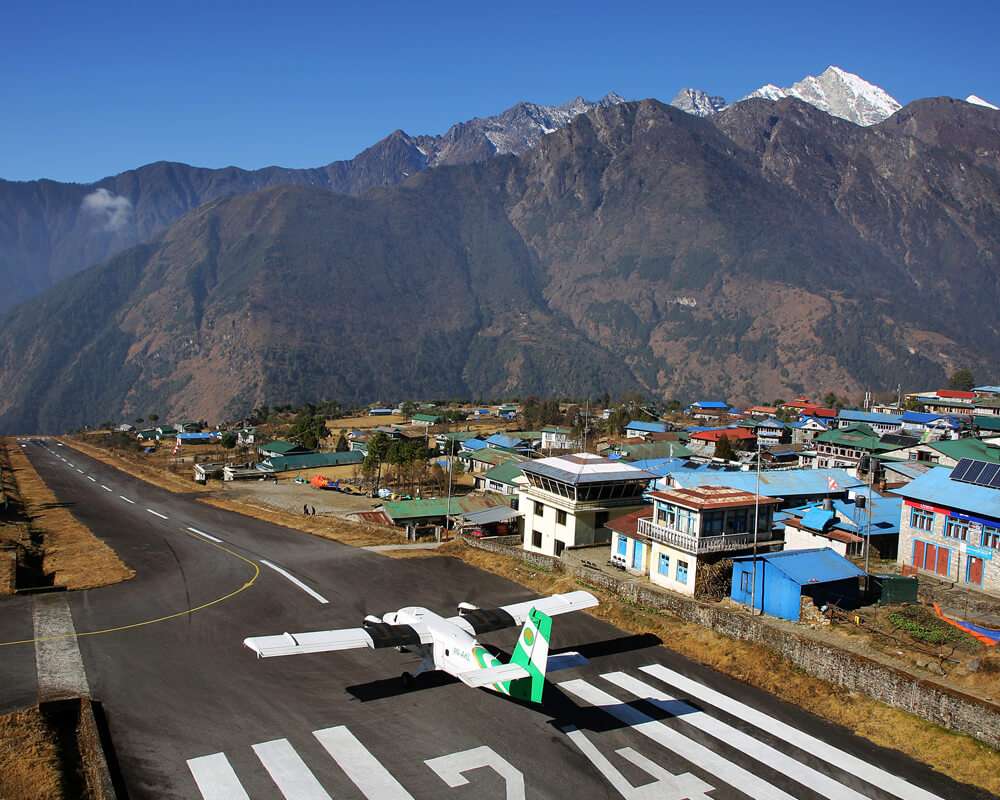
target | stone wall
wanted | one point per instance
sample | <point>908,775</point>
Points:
<point>8,570</point>
<point>938,704</point>
<point>92,755</point>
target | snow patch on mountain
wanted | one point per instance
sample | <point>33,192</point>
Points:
<point>839,93</point>
<point>978,101</point>
<point>698,102</point>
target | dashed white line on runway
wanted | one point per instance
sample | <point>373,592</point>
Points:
<point>105,488</point>
<point>157,514</point>
<point>123,497</point>
<point>206,535</point>
<point>296,581</point>
<point>92,478</point>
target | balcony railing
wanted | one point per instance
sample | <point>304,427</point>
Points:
<point>696,544</point>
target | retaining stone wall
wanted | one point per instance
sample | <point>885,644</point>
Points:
<point>938,704</point>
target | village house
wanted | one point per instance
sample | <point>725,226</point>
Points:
<point>281,448</point>
<point>686,529</point>
<point>705,443</point>
<point>807,429</point>
<point>946,452</point>
<point>568,500</point>
<point>555,437</point>
<point>795,487</point>
<point>950,525</point>
<point>638,429</point>
<point>846,448</point>
<point>502,479</point>
<point>843,525</point>
<point>880,423</point>
<point>761,412</point>
<point>772,431</point>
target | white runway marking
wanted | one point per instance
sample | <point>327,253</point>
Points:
<point>364,770</point>
<point>296,581</point>
<point>293,778</point>
<point>845,761</point>
<point>740,779</point>
<point>785,764</point>
<point>157,514</point>
<point>123,497</point>
<point>206,535</point>
<point>105,488</point>
<point>92,478</point>
<point>216,779</point>
<point>451,769</point>
<point>79,470</point>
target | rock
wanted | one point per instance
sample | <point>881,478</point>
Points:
<point>935,668</point>
<point>973,665</point>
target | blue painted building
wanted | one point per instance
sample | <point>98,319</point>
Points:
<point>784,578</point>
<point>795,487</point>
<point>640,429</point>
<point>880,423</point>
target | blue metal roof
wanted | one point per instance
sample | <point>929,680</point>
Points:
<point>665,466</point>
<point>647,427</point>
<point>936,487</point>
<point>817,518</point>
<point>987,389</point>
<point>770,422</point>
<point>474,444</point>
<point>500,440</point>
<point>198,437</point>
<point>852,415</point>
<point>851,519</point>
<point>773,483</point>
<point>709,404</point>
<point>820,565</point>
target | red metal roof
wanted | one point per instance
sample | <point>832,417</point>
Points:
<point>707,497</point>
<point>732,434</point>
<point>628,524</point>
<point>955,394</point>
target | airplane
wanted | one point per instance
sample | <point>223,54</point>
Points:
<point>449,644</point>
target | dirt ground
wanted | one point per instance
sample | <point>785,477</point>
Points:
<point>71,553</point>
<point>286,495</point>
<point>29,759</point>
<point>960,757</point>
<point>361,423</point>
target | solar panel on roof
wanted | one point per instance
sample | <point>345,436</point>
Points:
<point>988,474</point>
<point>972,476</point>
<point>995,483</point>
<point>958,473</point>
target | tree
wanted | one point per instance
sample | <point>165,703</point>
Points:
<point>962,380</point>
<point>724,449</point>
<point>378,446</point>
<point>342,444</point>
<point>229,440</point>
<point>408,408</point>
<point>308,429</point>
<point>154,417</point>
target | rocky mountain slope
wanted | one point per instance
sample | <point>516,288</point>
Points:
<point>840,93</point>
<point>698,102</point>
<point>50,230</point>
<point>764,251</point>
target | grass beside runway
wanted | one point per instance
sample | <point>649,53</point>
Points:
<point>29,756</point>
<point>960,757</point>
<point>71,553</point>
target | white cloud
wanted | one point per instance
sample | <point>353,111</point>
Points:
<point>113,210</point>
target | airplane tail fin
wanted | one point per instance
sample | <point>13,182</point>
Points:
<point>532,653</point>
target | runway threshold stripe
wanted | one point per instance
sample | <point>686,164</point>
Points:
<point>216,779</point>
<point>123,497</point>
<point>781,762</point>
<point>206,535</point>
<point>289,772</point>
<point>314,594</point>
<point>364,770</point>
<point>740,779</point>
<point>838,758</point>
<point>157,514</point>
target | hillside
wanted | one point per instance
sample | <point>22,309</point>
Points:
<point>50,230</point>
<point>767,250</point>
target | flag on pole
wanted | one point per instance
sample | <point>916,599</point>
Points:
<point>177,446</point>
<point>831,484</point>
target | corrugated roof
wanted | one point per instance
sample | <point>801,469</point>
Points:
<point>437,507</point>
<point>709,404</point>
<point>280,446</point>
<point>967,448</point>
<point>987,423</point>
<point>804,567</point>
<point>648,450</point>
<point>853,415</point>
<point>505,472</point>
<point>491,515</point>
<point>314,460</point>
<point>775,483</point>
<point>648,427</point>
<point>502,440</point>
<point>582,468</point>
<point>936,487</point>
<point>859,436</point>
<point>474,444</point>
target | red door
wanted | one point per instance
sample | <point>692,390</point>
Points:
<point>942,561</point>
<point>930,557</point>
<point>975,570</point>
<point>918,554</point>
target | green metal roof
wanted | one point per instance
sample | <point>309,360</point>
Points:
<point>987,423</point>
<point>460,436</point>
<point>314,460</point>
<point>427,418</point>
<point>557,429</point>
<point>967,448</point>
<point>505,473</point>
<point>528,436</point>
<point>493,455</point>
<point>437,507</point>
<point>281,446</point>
<point>860,437</point>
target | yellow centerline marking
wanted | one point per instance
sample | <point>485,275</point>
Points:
<point>216,601</point>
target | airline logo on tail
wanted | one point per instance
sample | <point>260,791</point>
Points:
<point>532,653</point>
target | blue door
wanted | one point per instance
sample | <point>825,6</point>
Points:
<point>637,555</point>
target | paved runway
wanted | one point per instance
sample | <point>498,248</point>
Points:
<point>194,715</point>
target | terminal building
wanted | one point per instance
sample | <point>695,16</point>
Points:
<point>568,501</point>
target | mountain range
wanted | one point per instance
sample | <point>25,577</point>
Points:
<point>50,230</point>
<point>765,250</point>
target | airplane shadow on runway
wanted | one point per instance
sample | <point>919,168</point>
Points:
<point>563,712</point>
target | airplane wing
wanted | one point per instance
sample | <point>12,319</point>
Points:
<point>477,678</point>
<point>375,636</point>
<point>485,620</point>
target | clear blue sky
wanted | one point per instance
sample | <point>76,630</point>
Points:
<point>89,89</point>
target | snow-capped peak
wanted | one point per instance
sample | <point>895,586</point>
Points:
<point>698,102</point>
<point>840,93</point>
<point>978,101</point>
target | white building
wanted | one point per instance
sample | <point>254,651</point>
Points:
<point>687,528</point>
<point>557,438</point>
<point>567,501</point>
